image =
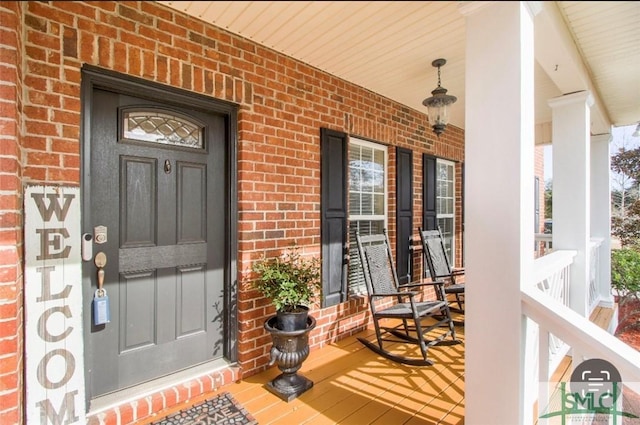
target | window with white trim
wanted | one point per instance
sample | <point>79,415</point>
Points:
<point>446,203</point>
<point>367,200</point>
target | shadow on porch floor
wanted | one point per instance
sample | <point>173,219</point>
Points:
<point>353,385</point>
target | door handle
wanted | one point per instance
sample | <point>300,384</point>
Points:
<point>100,261</point>
<point>101,311</point>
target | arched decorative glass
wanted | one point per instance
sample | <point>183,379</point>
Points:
<point>156,126</point>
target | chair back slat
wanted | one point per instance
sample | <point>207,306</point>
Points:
<point>380,269</point>
<point>436,253</point>
<point>377,262</point>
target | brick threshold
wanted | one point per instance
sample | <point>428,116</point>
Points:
<point>153,401</point>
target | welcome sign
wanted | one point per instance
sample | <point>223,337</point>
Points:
<point>53,302</point>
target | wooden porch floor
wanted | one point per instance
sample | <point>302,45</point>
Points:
<point>353,385</point>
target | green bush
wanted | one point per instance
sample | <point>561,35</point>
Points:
<point>288,280</point>
<point>625,271</point>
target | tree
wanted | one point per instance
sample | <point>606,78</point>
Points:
<point>548,198</point>
<point>625,223</point>
<point>626,175</point>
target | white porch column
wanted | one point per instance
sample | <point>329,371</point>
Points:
<point>499,147</point>
<point>601,212</point>
<point>571,188</point>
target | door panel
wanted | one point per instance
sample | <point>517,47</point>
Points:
<point>138,203</point>
<point>191,202</point>
<point>164,207</point>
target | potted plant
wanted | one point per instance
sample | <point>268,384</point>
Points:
<point>291,282</point>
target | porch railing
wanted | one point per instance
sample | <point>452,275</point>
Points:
<point>586,339</point>
<point>552,274</point>
<point>546,305</point>
<point>543,242</point>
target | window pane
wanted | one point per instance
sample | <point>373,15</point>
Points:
<point>378,181</point>
<point>367,204</point>
<point>366,157</point>
<point>159,127</point>
<point>446,227</point>
<point>354,202</point>
<point>378,208</point>
<point>378,158</point>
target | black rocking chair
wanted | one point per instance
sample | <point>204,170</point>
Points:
<point>439,267</point>
<point>418,320</point>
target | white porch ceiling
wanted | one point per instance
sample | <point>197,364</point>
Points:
<point>388,46</point>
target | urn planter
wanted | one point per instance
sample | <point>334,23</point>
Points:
<point>292,320</point>
<point>289,350</point>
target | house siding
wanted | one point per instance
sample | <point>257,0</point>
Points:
<point>283,103</point>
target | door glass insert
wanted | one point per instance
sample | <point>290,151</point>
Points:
<point>162,127</point>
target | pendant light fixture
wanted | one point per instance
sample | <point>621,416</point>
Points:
<point>439,102</point>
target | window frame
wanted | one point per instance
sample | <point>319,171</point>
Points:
<point>452,215</point>
<point>358,287</point>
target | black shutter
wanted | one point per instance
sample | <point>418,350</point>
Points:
<point>404,210</point>
<point>429,221</point>
<point>333,224</point>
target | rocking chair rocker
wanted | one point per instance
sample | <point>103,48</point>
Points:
<point>412,320</point>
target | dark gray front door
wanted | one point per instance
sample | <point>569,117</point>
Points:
<point>158,184</point>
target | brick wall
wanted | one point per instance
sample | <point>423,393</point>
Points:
<point>283,105</point>
<point>11,275</point>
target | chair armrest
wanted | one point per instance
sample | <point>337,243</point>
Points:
<point>457,272</point>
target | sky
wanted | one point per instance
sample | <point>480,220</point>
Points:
<point>621,136</point>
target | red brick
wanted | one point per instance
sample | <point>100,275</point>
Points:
<point>8,345</point>
<point>120,56</point>
<point>148,64</point>
<point>160,37</point>
<point>42,98</point>
<point>66,146</point>
<point>71,131</point>
<point>126,414</point>
<point>71,161</point>
<point>11,416</point>
<point>42,158</point>
<point>63,175</point>
<point>78,8</point>
<point>9,183</point>
<point>8,165</point>
<point>66,117</point>
<point>35,174</point>
<point>9,364</point>
<point>97,28</point>
<point>104,51</point>
<point>8,273</point>
<point>46,41</point>
<point>54,14</point>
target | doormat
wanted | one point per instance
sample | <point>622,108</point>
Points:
<point>222,409</point>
